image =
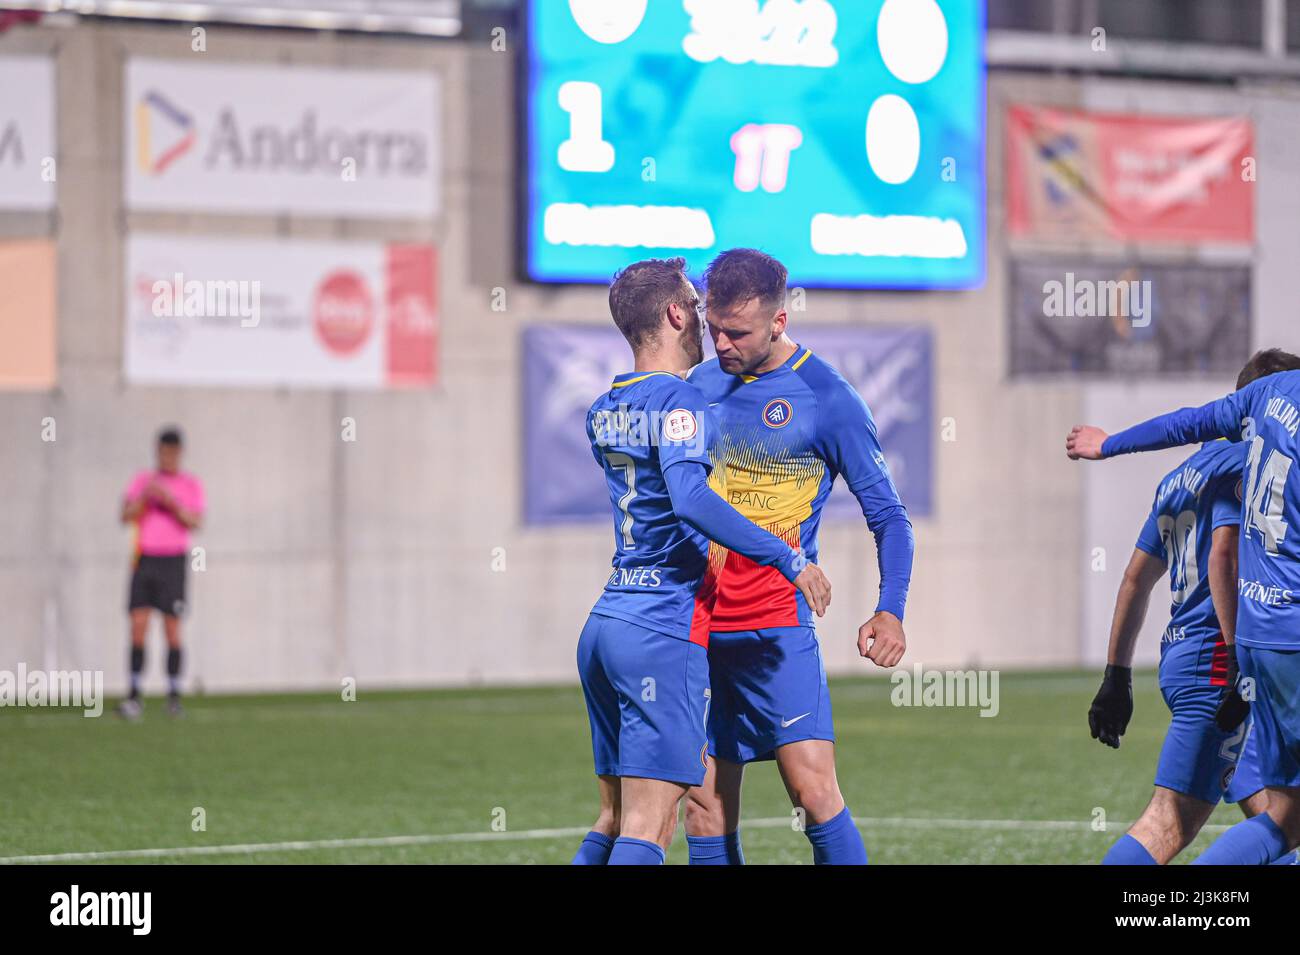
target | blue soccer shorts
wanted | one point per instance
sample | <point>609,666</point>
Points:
<point>1245,780</point>
<point>769,689</point>
<point>647,701</point>
<point>1200,760</point>
<point>1275,710</point>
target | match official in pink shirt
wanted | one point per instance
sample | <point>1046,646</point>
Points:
<point>165,504</point>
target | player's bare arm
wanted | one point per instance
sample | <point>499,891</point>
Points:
<point>1223,578</point>
<point>1112,707</point>
<point>1140,577</point>
<point>1084,442</point>
<point>1232,710</point>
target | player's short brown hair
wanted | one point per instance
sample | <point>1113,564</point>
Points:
<point>1267,362</point>
<point>641,293</point>
<point>738,275</point>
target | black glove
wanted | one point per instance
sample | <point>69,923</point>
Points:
<point>1232,710</point>
<point>1112,707</point>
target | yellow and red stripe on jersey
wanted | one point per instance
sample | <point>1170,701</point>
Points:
<point>706,595</point>
<point>775,487</point>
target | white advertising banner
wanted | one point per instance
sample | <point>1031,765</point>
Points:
<point>234,137</point>
<point>27,147</point>
<point>257,312</point>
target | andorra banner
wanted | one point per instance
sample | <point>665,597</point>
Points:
<point>566,367</point>
<point>1146,178</point>
<point>258,312</point>
<point>230,137</point>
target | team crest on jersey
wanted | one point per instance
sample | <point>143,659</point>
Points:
<point>777,413</point>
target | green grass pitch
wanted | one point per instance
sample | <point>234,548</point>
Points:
<point>480,775</point>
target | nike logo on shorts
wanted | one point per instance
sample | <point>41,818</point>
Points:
<point>785,723</point>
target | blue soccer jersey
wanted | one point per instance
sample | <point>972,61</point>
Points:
<point>661,570</point>
<point>652,434</point>
<point>787,434</point>
<point>1265,416</point>
<point>1195,499</point>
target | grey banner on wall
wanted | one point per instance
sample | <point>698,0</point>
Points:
<point>1121,318</point>
<point>567,366</point>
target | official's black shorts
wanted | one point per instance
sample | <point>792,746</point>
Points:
<point>159,582</point>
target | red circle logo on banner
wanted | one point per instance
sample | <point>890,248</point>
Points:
<point>343,312</point>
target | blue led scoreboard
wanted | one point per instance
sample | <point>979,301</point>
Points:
<point>845,137</point>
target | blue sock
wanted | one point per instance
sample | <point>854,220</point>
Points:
<point>837,841</point>
<point>716,850</point>
<point>1291,858</point>
<point>1128,851</point>
<point>1253,842</point>
<point>594,850</point>
<point>628,851</point>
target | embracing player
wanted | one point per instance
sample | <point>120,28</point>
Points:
<point>790,425</point>
<point>1265,415</point>
<point>642,655</point>
<point>1192,531</point>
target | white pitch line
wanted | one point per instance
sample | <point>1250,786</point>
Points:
<point>380,842</point>
<point>301,846</point>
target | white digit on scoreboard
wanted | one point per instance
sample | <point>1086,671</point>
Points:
<point>608,21</point>
<point>585,150</point>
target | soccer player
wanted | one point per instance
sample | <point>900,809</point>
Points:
<point>165,504</point>
<point>1192,531</point>
<point>1264,415</point>
<point>790,425</point>
<point>642,655</point>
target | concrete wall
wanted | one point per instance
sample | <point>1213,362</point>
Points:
<point>374,559</point>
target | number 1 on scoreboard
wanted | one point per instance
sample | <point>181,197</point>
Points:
<point>585,150</point>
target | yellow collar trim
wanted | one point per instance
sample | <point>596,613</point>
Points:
<point>648,374</point>
<point>795,367</point>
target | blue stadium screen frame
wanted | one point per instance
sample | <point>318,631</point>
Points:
<point>845,137</point>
